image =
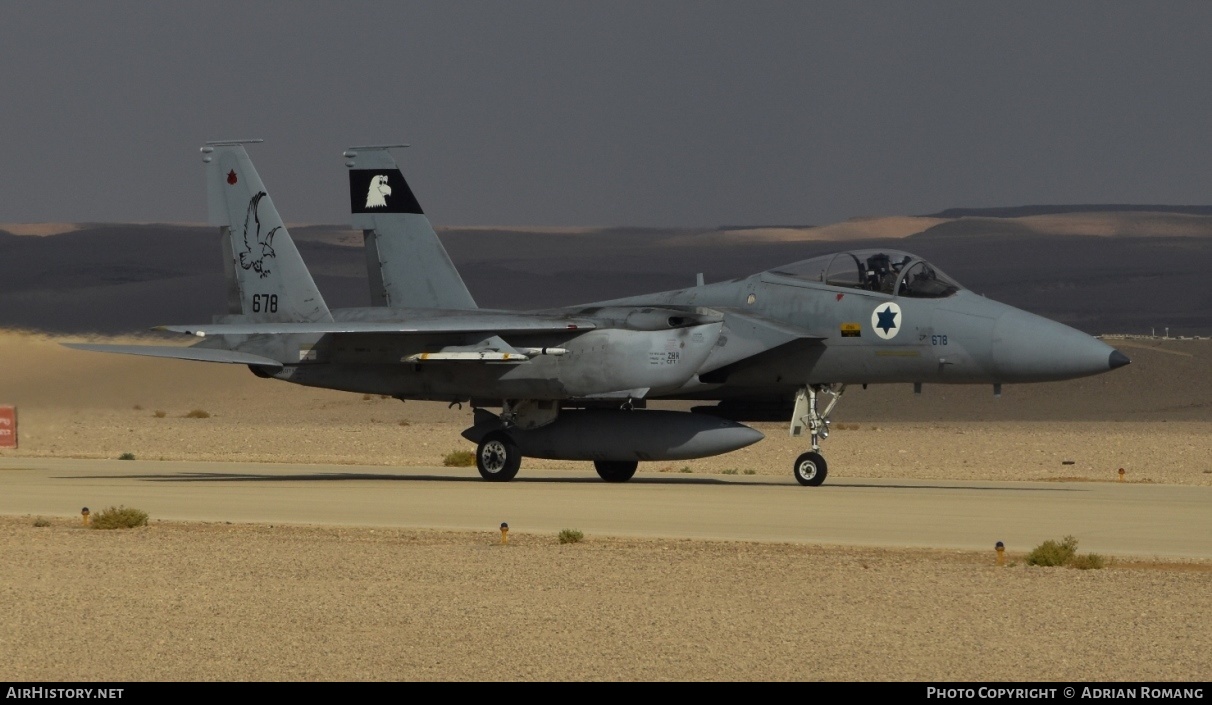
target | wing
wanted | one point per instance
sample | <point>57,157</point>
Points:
<point>179,353</point>
<point>481,323</point>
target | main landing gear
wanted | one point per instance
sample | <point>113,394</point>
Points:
<point>810,468</point>
<point>498,458</point>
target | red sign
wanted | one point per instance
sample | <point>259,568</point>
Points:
<point>8,427</point>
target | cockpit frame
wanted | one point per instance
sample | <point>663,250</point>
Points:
<point>890,272</point>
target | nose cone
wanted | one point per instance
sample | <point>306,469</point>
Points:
<point>1029,348</point>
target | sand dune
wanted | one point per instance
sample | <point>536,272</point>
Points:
<point>854,229</point>
<point>39,229</point>
<point>1108,224</point>
<point>122,277</point>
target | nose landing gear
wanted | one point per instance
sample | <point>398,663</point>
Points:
<point>810,468</point>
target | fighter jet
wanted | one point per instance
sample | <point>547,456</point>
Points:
<point>574,383</point>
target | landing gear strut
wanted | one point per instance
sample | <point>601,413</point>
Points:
<point>810,468</point>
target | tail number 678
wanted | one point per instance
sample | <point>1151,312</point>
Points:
<point>265,302</point>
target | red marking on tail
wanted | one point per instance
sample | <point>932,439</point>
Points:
<point>231,177</point>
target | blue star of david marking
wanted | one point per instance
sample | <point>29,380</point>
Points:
<point>887,319</point>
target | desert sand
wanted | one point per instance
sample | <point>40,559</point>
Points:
<point>246,602</point>
<point>180,601</point>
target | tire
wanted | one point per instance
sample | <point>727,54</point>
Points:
<point>498,458</point>
<point>810,469</point>
<point>616,470</point>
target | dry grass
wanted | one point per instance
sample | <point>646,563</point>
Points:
<point>459,459</point>
<point>1088,561</point>
<point>197,414</point>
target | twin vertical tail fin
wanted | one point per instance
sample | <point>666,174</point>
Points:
<point>267,280</point>
<point>405,261</point>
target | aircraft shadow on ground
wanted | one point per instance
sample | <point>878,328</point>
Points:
<point>362,476</point>
<point>380,477</point>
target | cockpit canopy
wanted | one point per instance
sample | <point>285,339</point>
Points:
<point>888,271</point>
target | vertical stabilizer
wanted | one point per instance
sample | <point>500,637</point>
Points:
<point>267,280</point>
<point>405,262</point>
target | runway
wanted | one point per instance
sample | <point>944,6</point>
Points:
<point>1122,519</point>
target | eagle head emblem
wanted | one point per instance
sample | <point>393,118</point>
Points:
<point>376,195</point>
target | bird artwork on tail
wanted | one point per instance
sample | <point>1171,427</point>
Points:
<point>376,196</point>
<point>258,247</point>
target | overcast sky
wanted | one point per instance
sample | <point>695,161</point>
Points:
<point>608,113</point>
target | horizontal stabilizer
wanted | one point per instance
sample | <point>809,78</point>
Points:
<point>479,324</point>
<point>169,351</point>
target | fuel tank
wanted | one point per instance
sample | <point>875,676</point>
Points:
<point>601,434</point>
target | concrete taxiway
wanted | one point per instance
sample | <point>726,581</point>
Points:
<point>1124,519</point>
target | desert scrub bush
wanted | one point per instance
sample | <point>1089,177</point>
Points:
<point>750,471</point>
<point>1052,553</point>
<point>571,536</point>
<point>198,414</point>
<point>459,459</point>
<point>160,413</point>
<point>126,456</point>
<point>41,522</point>
<point>1089,561</point>
<point>119,518</point>
<point>729,471</point>
<point>685,468</point>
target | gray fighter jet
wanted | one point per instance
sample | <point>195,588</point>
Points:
<point>573,383</point>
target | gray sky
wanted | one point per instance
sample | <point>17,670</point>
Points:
<point>608,113</point>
